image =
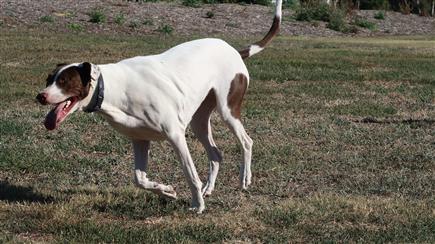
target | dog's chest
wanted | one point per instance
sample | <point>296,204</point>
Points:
<point>133,127</point>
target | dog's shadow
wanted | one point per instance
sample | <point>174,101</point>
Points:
<point>129,206</point>
<point>15,193</point>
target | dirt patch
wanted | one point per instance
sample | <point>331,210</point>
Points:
<point>210,19</point>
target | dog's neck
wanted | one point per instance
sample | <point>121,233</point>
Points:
<point>96,91</point>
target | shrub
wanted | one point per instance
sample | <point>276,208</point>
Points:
<point>405,7</point>
<point>147,22</point>
<point>322,12</point>
<point>374,4</point>
<point>303,14</point>
<point>365,23</point>
<point>310,12</point>
<point>379,15</point>
<point>134,24</point>
<point>75,27</point>
<point>120,19</point>
<point>261,2</point>
<point>209,14</point>
<point>47,18</point>
<point>192,3</point>
<point>165,29</point>
<point>337,21</point>
<point>97,16</point>
<point>292,4</point>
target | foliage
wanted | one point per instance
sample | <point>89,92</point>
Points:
<point>421,7</point>
<point>309,12</point>
<point>75,27</point>
<point>337,21</point>
<point>209,14</point>
<point>361,22</point>
<point>47,18</point>
<point>335,17</point>
<point>192,3</point>
<point>374,4</point>
<point>292,4</point>
<point>97,16</point>
<point>147,22</point>
<point>165,29</point>
<point>120,19</point>
<point>379,15</point>
<point>134,24</point>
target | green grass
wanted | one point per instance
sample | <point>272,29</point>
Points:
<point>320,172</point>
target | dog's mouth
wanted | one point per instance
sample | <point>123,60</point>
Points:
<point>59,113</point>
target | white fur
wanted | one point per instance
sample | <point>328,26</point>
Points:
<point>55,94</point>
<point>254,49</point>
<point>155,97</point>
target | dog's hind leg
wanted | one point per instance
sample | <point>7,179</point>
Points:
<point>230,110</point>
<point>141,150</point>
<point>201,127</point>
<point>238,130</point>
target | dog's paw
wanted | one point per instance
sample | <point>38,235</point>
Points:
<point>206,190</point>
<point>197,210</point>
<point>169,192</point>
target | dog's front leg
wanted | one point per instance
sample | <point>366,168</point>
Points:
<point>178,141</point>
<point>141,150</point>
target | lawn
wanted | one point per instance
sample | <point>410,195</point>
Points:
<point>344,148</point>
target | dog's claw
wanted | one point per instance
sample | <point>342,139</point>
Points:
<point>168,192</point>
<point>171,195</point>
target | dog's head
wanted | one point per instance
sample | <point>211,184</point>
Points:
<point>67,86</point>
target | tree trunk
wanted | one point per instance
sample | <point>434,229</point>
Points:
<point>433,8</point>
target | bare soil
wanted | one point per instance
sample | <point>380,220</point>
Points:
<point>148,18</point>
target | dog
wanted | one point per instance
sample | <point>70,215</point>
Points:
<point>156,97</point>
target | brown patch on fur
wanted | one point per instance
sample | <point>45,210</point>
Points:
<point>73,83</point>
<point>205,109</point>
<point>235,96</point>
<point>50,78</point>
<point>208,104</point>
<point>245,53</point>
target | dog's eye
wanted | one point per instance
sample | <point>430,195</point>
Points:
<point>61,81</point>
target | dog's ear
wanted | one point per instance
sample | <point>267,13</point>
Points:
<point>85,73</point>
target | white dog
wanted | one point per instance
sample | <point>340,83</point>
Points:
<point>156,97</point>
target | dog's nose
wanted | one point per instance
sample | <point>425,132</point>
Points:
<point>42,98</point>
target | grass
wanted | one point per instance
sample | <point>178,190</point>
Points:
<point>343,149</point>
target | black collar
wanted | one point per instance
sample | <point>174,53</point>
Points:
<point>97,98</point>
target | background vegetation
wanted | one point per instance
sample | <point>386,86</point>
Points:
<point>343,133</point>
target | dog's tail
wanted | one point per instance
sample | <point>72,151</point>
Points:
<point>274,29</point>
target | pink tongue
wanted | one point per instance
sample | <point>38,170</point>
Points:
<point>54,117</point>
